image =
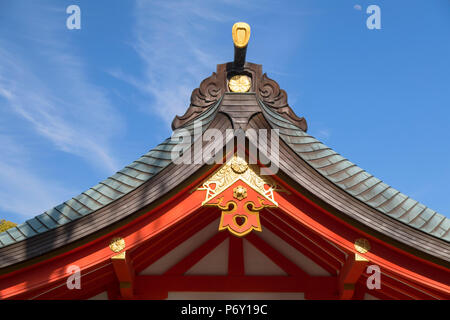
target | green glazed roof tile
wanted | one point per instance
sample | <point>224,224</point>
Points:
<point>78,207</point>
<point>161,155</point>
<point>394,202</point>
<point>119,186</point>
<point>88,202</point>
<point>413,213</point>
<point>15,234</point>
<point>144,167</point>
<point>347,177</point>
<point>155,165</point>
<point>381,198</point>
<point>339,166</point>
<point>67,211</point>
<point>129,181</point>
<point>355,180</point>
<point>6,239</point>
<point>57,216</point>
<point>93,194</point>
<point>26,230</point>
<point>107,191</point>
<point>47,221</point>
<point>100,198</point>
<point>443,228</point>
<point>131,172</point>
<point>36,225</point>
<point>433,223</point>
<point>144,176</point>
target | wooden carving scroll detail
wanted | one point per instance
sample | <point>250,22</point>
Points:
<point>212,88</point>
<point>276,98</point>
<point>209,92</point>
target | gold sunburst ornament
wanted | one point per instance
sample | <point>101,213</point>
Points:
<point>240,83</point>
<point>117,244</point>
<point>362,245</point>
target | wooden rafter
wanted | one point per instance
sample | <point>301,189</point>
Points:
<point>236,266</point>
<point>125,274</point>
<point>146,255</point>
<point>284,263</point>
<point>304,245</point>
<point>309,234</point>
<point>349,275</point>
<point>191,259</point>
<point>313,286</point>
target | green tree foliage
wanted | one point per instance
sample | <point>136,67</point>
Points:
<point>5,225</point>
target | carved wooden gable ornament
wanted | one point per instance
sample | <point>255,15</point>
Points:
<point>239,76</point>
<point>237,190</point>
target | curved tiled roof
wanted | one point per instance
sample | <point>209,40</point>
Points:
<point>337,169</point>
<point>358,182</point>
<point>107,191</point>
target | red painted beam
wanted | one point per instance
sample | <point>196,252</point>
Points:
<point>97,252</point>
<point>421,291</point>
<point>318,287</point>
<point>285,219</point>
<point>284,263</point>
<point>125,274</point>
<point>349,275</point>
<point>305,246</point>
<point>342,235</point>
<point>154,249</point>
<point>236,266</point>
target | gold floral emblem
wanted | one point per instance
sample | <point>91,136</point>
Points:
<point>240,193</point>
<point>362,245</point>
<point>117,244</point>
<point>239,165</point>
<point>240,83</point>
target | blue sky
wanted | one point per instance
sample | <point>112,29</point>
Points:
<point>78,105</point>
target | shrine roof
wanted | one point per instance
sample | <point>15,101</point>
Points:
<point>354,180</point>
<point>257,102</point>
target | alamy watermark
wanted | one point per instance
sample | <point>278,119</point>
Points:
<point>374,280</point>
<point>74,280</point>
<point>373,21</point>
<point>208,146</point>
<point>74,20</point>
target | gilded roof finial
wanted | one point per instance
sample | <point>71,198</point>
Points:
<point>241,35</point>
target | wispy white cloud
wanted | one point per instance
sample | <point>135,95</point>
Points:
<point>177,43</point>
<point>46,89</point>
<point>23,191</point>
<point>46,83</point>
<point>171,39</point>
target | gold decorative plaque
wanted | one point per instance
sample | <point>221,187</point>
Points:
<point>241,34</point>
<point>240,193</point>
<point>117,244</point>
<point>362,245</point>
<point>240,83</point>
<point>238,169</point>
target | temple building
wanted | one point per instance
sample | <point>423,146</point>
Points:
<point>240,203</point>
